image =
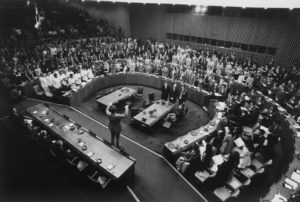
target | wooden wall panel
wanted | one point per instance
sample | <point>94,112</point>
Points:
<point>153,21</point>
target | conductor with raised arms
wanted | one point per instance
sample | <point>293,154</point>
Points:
<point>115,123</point>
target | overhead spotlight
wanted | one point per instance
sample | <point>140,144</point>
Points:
<point>98,1</point>
<point>291,9</point>
<point>243,7</point>
<point>224,6</point>
<point>83,0</point>
<point>265,8</point>
<point>27,3</point>
<point>158,3</point>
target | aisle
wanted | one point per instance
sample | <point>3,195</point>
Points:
<point>155,179</point>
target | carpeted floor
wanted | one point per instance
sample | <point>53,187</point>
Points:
<point>155,138</point>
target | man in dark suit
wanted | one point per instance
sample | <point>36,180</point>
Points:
<point>182,95</point>
<point>165,90</point>
<point>173,94</point>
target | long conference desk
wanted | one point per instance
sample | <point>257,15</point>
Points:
<point>199,97</point>
<point>154,113</point>
<point>116,96</point>
<point>96,152</point>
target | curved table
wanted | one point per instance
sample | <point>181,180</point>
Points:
<point>199,97</point>
<point>202,98</point>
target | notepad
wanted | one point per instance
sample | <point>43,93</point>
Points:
<point>90,154</point>
<point>239,142</point>
<point>296,177</point>
<point>218,159</point>
<point>110,167</point>
<point>81,144</point>
<point>278,197</point>
<point>292,183</point>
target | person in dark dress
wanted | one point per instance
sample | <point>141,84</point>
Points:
<point>182,96</point>
<point>115,123</point>
<point>165,90</point>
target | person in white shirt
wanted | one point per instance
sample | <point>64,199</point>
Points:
<point>245,159</point>
<point>44,85</point>
<point>71,80</point>
<point>90,74</point>
<point>49,79</point>
<point>77,78</point>
<point>56,82</point>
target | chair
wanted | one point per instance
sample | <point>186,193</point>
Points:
<point>99,179</point>
<point>151,97</point>
<point>140,91</point>
<point>73,161</point>
<point>223,193</point>
<point>81,165</point>
<point>134,112</point>
<point>38,90</point>
<point>167,124</point>
<point>249,131</point>
<point>256,164</point>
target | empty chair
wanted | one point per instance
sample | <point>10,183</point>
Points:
<point>140,91</point>
<point>73,161</point>
<point>81,165</point>
<point>151,97</point>
<point>99,179</point>
<point>38,90</point>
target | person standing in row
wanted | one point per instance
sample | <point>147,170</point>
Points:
<point>165,90</point>
<point>115,123</point>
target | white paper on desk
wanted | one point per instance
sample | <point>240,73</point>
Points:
<point>292,183</point>
<point>90,154</point>
<point>218,159</point>
<point>110,167</point>
<point>46,120</point>
<point>296,177</point>
<point>239,142</point>
<point>234,183</point>
<point>35,112</point>
<point>278,197</point>
<point>51,124</point>
<point>81,144</point>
